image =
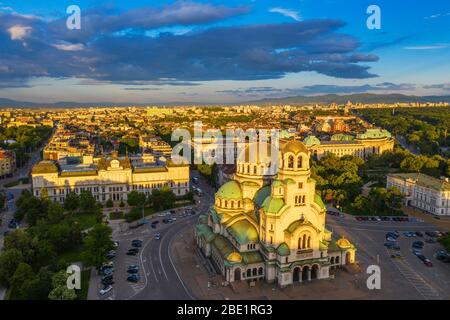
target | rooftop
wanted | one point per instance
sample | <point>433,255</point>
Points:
<point>424,180</point>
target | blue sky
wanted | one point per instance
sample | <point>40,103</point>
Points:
<point>221,51</point>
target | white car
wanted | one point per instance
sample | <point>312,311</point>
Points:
<point>105,290</point>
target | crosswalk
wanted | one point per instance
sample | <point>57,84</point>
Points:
<point>425,289</point>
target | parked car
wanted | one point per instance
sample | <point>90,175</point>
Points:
<point>416,252</point>
<point>421,257</point>
<point>116,244</point>
<point>418,244</point>
<point>136,243</point>
<point>133,267</point>
<point>158,236</point>
<point>134,277</point>
<point>430,240</point>
<point>107,282</point>
<point>396,256</point>
<point>392,245</point>
<point>391,239</point>
<point>105,290</point>
<point>132,252</point>
<point>419,234</point>
<point>443,256</point>
<point>107,278</point>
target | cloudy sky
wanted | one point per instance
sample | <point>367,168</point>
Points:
<point>148,51</point>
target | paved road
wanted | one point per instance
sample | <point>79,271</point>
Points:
<point>407,276</point>
<point>159,277</point>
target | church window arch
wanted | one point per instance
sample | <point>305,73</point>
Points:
<point>304,242</point>
<point>299,162</point>
<point>291,162</point>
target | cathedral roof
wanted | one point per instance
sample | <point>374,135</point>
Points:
<point>295,147</point>
<point>272,205</point>
<point>318,201</point>
<point>283,249</point>
<point>244,232</point>
<point>205,231</point>
<point>311,141</point>
<point>261,195</point>
<point>234,257</point>
<point>230,190</point>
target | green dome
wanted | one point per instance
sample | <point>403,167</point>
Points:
<point>272,205</point>
<point>283,249</point>
<point>311,141</point>
<point>261,195</point>
<point>230,190</point>
<point>244,232</point>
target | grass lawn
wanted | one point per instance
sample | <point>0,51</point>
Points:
<point>83,292</point>
<point>86,221</point>
<point>71,256</point>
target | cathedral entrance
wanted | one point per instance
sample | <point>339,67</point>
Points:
<point>237,274</point>
<point>314,271</point>
<point>347,258</point>
<point>296,275</point>
<point>305,273</point>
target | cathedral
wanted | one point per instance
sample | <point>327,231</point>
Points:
<point>270,224</point>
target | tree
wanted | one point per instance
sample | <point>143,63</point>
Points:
<point>20,279</point>
<point>87,202</point>
<point>136,198</point>
<point>162,199</point>
<point>9,260</point>
<point>97,244</point>
<point>72,202</point>
<point>55,213</point>
<point>60,290</point>
<point>109,203</point>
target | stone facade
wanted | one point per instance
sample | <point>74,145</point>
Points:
<point>269,224</point>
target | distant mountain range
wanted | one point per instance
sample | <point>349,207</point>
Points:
<point>320,99</point>
<point>354,98</point>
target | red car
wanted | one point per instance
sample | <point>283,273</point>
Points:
<point>427,262</point>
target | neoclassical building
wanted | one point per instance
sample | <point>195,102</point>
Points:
<point>271,224</point>
<point>110,178</point>
<point>372,141</point>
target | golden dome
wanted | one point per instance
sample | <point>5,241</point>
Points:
<point>234,257</point>
<point>344,243</point>
<point>295,147</point>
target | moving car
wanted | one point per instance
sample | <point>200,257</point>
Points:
<point>105,290</point>
<point>443,256</point>
<point>158,236</point>
<point>427,262</point>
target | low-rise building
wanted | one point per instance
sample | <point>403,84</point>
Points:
<point>423,192</point>
<point>7,163</point>
<point>110,178</point>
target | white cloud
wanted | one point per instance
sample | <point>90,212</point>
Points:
<point>69,47</point>
<point>19,32</point>
<point>430,47</point>
<point>287,12</point>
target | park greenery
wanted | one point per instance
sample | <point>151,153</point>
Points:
<point>27,139</point>
<point>157,200</point>
<point>424,128</point>
<point>34,260</point>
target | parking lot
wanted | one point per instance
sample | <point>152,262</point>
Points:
<point>147,233</point>
<point>404,276</point>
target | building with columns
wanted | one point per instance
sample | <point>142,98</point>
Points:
<point>372,141</point>
<point>268,223</point>
<point>108,178</point>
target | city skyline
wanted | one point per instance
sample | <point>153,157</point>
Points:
<point>198,51</point>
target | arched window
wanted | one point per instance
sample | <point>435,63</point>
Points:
<point>304,241</point>
<point>291,162</point>
<point>226,203</point>
<point>260,271</point>
<point>255,272</point>
<point>309,242</point>
<point>299,243</point>
<point>239,204</point>
<point>299,162</point>
<point>249,273</point>
<point>232,204</point>
<point>254,170</point>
